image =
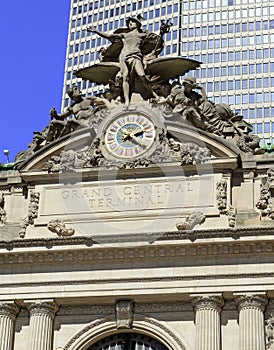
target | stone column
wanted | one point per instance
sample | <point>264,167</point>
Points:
<point>251,321</point>
<point>207,319</point>
<point>8,312</point>
<point>42,313</point>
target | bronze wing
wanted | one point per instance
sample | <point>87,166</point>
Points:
<point>170,67</point>
<point>99,73</point>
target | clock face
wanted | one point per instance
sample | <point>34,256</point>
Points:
<point>130,135</point>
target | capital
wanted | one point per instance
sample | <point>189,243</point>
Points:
<point>208,302</point>
<point>42,307</point>
<point>9,309</point>
<point>251,301</point>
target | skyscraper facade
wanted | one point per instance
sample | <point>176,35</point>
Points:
<point>232,38</point>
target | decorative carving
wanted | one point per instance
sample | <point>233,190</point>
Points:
<point>130,254</point>
<point>215,302</point>
<point>36,144</point>
<point>193,219</point>
<point>41,307</point>
<point>124,314</point>
<point>138,318</point>
<point>249,143</point>
<point>53,164</point>
<point>87,112</point>
<point>103,309</point>
<point>221,196</point>
<point>170,150</point>
<point>83,110</point>
<point>269,332</point>
<point>9,309</point>
<point>32,213</point>
<point>95,154</point>
<point>193,154</point>
<point>165,329</point>
<point>266,201</point>
<point>163,307</point>
<point>3,214</point>
<point>133,48</point>
<point>231,212</point>
<point>138,163</point>
<point>68,160</point>
<point>223,206</point>
<point>59,227</point>
<point>251,301</point>
<point>167,150</point>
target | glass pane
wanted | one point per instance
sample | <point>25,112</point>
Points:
<point>125,341</point>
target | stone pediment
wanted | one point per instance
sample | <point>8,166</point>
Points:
<point>178,131</point>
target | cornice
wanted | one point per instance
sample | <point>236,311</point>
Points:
<point>137,254</point>
<point>142,237</point>
<point>144,280</point>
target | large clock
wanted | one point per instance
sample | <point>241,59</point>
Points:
<point>130,134</point>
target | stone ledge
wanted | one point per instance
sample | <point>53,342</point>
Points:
<point>137,238</point>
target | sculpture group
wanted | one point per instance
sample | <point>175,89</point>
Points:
<point>130,65</point>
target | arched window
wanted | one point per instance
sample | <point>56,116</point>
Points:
<point>128,341</point>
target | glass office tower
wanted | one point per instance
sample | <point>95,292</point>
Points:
<point>232,38</point>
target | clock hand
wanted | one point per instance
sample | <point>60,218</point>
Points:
<point>125,134</point>
<point>136,132</point>
<point>138,141</point>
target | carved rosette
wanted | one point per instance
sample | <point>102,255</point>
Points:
<point>42,314</point>
<point>8,312</point>
<point>251,321</point>
<point>208,329</point>
<point>124,314</point>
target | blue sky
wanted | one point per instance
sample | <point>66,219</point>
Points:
<point>32,60</point>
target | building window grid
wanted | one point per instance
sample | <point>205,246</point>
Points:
<point>265,46</point>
